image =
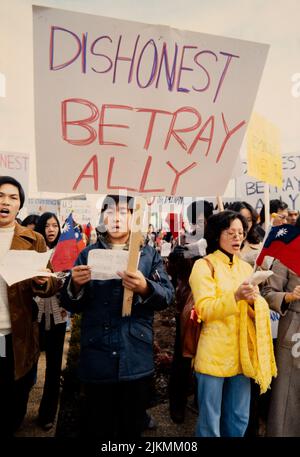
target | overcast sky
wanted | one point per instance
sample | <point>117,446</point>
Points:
<point>275,22</point>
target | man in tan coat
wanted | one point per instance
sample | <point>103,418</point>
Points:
<point>19,342</point>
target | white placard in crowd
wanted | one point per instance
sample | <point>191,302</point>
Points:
<point>81,211</point>
<point>165,249</point>
<point>252,191</point>
<point>42,205</point>
<point>144,108</point>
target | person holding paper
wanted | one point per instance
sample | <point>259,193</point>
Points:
<point>235,342</point>
<point>282,292</point>
<point>52,320</point>
<point>19,348</point>
<point>116,361</point>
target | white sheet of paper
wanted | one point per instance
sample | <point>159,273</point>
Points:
<point>2,345</point>
<point>18,265</point>
<point>260,276</point>
<point>106,262</point>
<point>274,316</point>
<point>165,249</point>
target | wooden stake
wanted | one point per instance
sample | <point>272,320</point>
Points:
<point>267,206</point>
<point>134,249</point>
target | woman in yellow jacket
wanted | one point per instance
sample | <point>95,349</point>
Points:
<point>235,343</point>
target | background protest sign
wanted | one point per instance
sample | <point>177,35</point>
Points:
<point>263,151</point>
<point>252,191</point>
<point>16,165</point>
<point>144,108</point>
<point>42,205</point>
<point>82,211</point>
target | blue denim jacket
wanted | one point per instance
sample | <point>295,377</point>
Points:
<point>116,348</point>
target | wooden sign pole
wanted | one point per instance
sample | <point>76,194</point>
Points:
<point>267,206</point>
<point>134,248</point>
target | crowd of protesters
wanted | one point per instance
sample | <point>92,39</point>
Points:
<point>212,257</point>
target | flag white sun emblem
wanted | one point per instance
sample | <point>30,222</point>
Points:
<point>66,227</point>
<point>281,232</point>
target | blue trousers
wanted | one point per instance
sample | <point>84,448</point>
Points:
<point>224,405</point>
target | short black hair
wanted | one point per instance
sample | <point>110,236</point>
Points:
<point>30,219</point>
<point>14,182</point>
<point>114,200</point>
<point>215,226</point>
<point>198,207</point>
<point>275,205</point>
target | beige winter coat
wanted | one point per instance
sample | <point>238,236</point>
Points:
<point>284,413</point>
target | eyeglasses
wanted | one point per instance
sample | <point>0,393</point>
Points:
<point>232,235</point>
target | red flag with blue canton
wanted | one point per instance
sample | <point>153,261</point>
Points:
<point>79,239</point>
<point>66,251</point>
<point>87,229</point>
<point>283,243</point>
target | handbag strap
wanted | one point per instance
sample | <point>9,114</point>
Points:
<point>211,267</point>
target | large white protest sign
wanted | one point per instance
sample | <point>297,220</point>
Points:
<point>15,164</point>
<point>145,108</point>
<point>251,190</point>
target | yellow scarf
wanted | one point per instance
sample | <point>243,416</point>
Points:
<point>256,346</point>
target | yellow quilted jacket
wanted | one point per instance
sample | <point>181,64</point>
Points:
<point>234,338</point>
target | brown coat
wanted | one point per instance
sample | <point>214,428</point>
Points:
<point>284,412</point>
<point>24,326</point>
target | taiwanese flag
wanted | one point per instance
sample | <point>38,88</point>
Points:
<point>79,240</point>
<point>67,248</point>
<point>87,229</point>
<point>283,243</point>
